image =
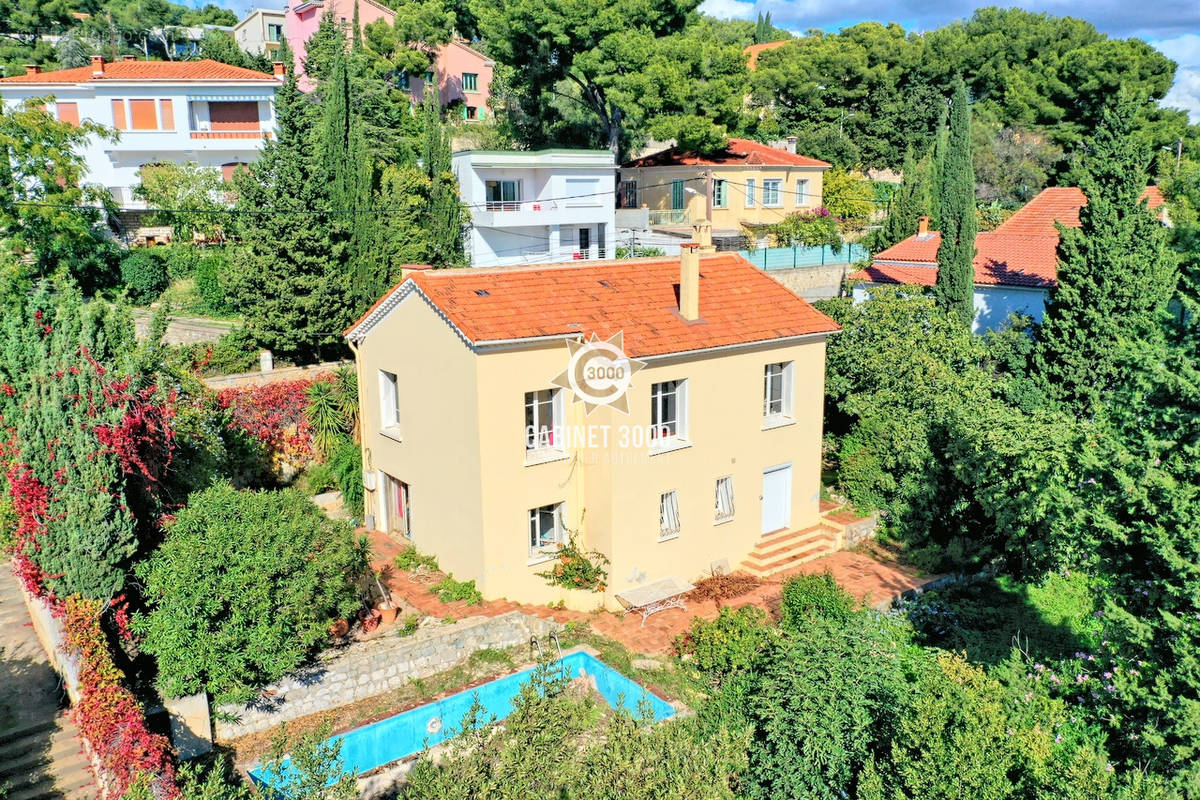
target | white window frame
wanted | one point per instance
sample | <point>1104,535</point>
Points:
<point>772,187</point>
<point>802,185</point>
<point>778,410</point>
<point>669,524</point>
<point>724,508</point>
<point>542,438</point>
<point>720,193</point>
<point>660,439</point>
<point>389,403</point>
<point>544,545</point>
<point>502,204</point>
<point>751,190</point>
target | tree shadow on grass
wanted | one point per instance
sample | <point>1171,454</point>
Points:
<point>987,619</point>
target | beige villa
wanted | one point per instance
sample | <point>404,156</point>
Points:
<point>704,455</point>
<point>741,189</point>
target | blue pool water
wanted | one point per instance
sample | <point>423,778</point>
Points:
<point>411,732</point>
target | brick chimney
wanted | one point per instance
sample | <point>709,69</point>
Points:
<point>689,281</point>
<point>702,236</point>
<point>33,69</point>
<point>923,226</point>
<point>129,58</point>
<point>97,66</point>
<point>280,72</point>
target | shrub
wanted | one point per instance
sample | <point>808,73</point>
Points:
<point>210,271</point>
<point>144,275</point>
<point>578,569</point>
<point>448,590</point>
<point>807,597</point>
<point>410,560</point>
<point>319,478</point>
<point>180,259</point>
<point>309,767</point>
<point>727,645</point>
<point>346,467</point>
<point>260,573</point>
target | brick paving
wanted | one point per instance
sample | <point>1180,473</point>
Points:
<point>869,581</point>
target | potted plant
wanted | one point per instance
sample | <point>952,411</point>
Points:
<point>386,608</point>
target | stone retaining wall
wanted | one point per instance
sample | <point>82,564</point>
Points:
<point>371,668</point>
<point>814,283</point>
<point>270,376</point>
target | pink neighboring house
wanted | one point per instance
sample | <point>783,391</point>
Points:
<point>461,73</point>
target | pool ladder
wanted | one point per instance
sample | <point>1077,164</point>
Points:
<point>535,645</point>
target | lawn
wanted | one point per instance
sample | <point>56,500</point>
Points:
<point>986,620</point>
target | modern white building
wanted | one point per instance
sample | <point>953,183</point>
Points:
<point>211,113</point>
<point>261,31</point>
<point>537,207</point>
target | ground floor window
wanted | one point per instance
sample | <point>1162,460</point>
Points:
<point>724,499</point>
<point>668,515</point>
<point>545,529</point>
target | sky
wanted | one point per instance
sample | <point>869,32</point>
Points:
<point>1169,25</point>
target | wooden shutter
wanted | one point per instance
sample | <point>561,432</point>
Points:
<point>142,115</point>
<point>168,114</point>
<point>68,112</point>
<point>118,107</point>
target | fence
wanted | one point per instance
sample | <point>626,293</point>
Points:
<point>773,258</point>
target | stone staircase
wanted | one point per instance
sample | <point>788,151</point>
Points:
<point>45,761</point>
<point>776,552</point>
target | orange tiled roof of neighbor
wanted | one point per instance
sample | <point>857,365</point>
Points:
<point>1021,251</point>
<point>739,304</point>
<point>755,50</point>
<point>205,70</point>
<point>739,152</point>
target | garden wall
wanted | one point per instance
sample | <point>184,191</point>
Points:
<point>366,669</point>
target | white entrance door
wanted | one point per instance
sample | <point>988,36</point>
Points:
<point>777,498</point>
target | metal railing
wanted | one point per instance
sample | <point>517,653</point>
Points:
<point>669,216</point>
<point>777,258</point>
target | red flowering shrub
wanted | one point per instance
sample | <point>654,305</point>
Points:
<point>273,413</point>
<point>109,717</point>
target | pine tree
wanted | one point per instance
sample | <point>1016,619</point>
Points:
<point>445,218</point>
<point>910,204</point>
<point>956,198</point>
<point>1115,271</point>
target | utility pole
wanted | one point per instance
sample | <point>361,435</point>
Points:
<point>1178,153</point>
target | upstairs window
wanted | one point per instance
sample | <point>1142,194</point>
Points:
<point>503,195</point>
<point>470,82</point>
<point>668,515</point>
<point>802,192</point>
<point>402,81</point>
<point>389,400</point>
<point>724,509</point>
<point>545,530</point>
<point>771,189</point>
<point>429,76</point>
<point>543,414</point>
<point>751,190</point>
<point>720,193</point>
<point>668,412</point>
<point>274,32</point>
<point>627,194</point>
<point>777,391</point>
<point>68,112</point>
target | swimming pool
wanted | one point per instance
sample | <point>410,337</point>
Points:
<point>410,732</point>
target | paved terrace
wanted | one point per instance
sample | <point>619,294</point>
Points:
<point>868,580</point>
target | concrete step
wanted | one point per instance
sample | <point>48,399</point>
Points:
<point>19,735</point>
<point>77,782</point>
<point>789,551</point>
<point>60,748</point>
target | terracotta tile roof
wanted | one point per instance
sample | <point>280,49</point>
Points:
<point>206,70</point>
<point>739,304</point>
<point>740,152</point>
<point>755,50</point>
<point>1022,251</point>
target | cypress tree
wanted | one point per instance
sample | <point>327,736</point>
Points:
<point>910,204</point>
<point>288,279</point>
<point>1115,273</point>
<point>957,223</point>
<point>445,218</point>
<point>937,155</point>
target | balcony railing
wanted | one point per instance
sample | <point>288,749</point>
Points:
<point>230,134</point>
<point>670,216</point>
<point>520,205</point>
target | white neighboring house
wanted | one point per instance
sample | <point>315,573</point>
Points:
<point>204,111</point>
<point>261,31</point>
<point>537,207</point>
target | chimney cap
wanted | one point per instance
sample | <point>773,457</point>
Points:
<point>33,69</point>
<point>923,224</point>
<point>129,58</point>
<point>97,65</point>
<point>278,70</point>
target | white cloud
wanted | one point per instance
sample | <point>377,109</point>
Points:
<point>729,9</point>
<point>1185,93</point>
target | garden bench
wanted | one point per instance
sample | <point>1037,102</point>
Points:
<point>650,598</point>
